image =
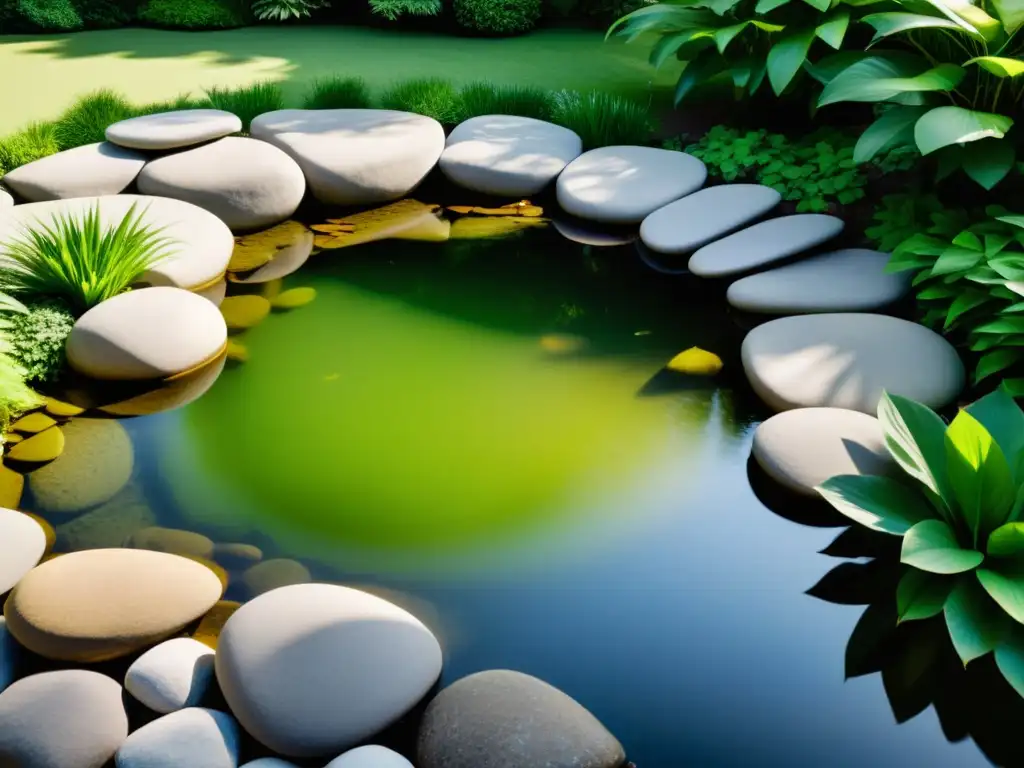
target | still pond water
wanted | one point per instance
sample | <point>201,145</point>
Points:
<point>479,429</point>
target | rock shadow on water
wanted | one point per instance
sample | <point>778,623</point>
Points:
<point>792,506</point>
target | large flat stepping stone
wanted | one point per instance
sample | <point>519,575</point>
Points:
<point>850,280</point>
<point>193,737</point>
<point>66,719</point>
<point>847,360</point>
<point>624,185</point>
<point>173,130</point>
<point>246,183</point>
<point>105,603</point>
<point>22,546</point>
<point>313,669</point>
<point>95,169</point>
<point>200,248</point>
<point>153,333</point>
<point>803,448</point>
<point>504,719</point>
<point>764,243</point>
<point>355,156</point>
<point>507,155</point>
<point>697,219</point>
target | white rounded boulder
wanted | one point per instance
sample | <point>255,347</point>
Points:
<point>94,169</point>
<point>6,201</point>
<point>508,155</point>
<point>247,184</point>
<point>355,156</point>
<point>847,360</point>
<point>194,737</point>
<point>153,333</point>
<point>370,756</point>
<point>171,676</point>
<point>173,130</point>
<point>312,669</point>
<point>22,546</point>
<point>624,185</point>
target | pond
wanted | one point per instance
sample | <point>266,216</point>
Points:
<point>482,431</point>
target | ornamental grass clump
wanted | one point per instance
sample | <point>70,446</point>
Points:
<point>338,93</point>
<point>430,96</point>
<point>86,121</point>
<point>248,102</point>
<point>520,100</point>
<point>79,261</point>
<point>959,507</point>
<point>34,142</point>
<point>602,119</point>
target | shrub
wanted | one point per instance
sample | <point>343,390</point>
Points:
<point>39,16</point>
<point>78,260</point>
<point>338,93</point>
<point>432,97</point>
<point>525,101</point>
<point>497,17</point>
<point>36,141</point>
<point>900,216</point>
<point>87,120</point>
<point>15,396</point>
<point>247,102</point>
<point>106,14</point>
<point>36,340</point>
<point>282,10</point>
<point>393,9</point>
<point>601,119</point>
<point>194,14</point>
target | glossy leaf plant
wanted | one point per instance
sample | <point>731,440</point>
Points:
<point>958,506</point>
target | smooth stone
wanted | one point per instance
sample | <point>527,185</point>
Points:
<point>108,525</point>
<point>286,261</point>
<point>313,669</point>
<point>579,232</point>
<point>293,298</point>
<point>246,311</point>
<point>803,448</point>
<point>193,737</point>
<point>48,531</point>
<point>97,462</point>
<point>105,603</point>
<point>34,422</point>
<point>22,546</point>
<point>624,185</point>
<point>706,215</point>
<point>169,394</point>
<point>850,280</point>
<point>504,719</point>
<point>508,155</point>
<point>246,183</point>
<point>12,485</point>
<point>847,360</point>
<point>200,248</point>
<point>215,293</point>
<point>40,448</point>
<point>355,156</point>
<point>171,540</point>
<point>237,555</point>
<point>212,624</point>
<point>764,243</point>
<point>153,333</point>
<point>270,762</point>
<point>9,651</point>
<point>171,676</point>
<point>370,756</point>
<point>6,201</point>
<point>271,574</point>
<point>94,169</point>
<point>66,719</point>
<point>173,130</point>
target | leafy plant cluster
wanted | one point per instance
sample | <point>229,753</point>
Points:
<point>195,14</point>
<point>395,9</point>
<point>497,17</point>
<point>15,395</point>
<point>36,340</point>
<point>959,508</point>
<point>283,10</point>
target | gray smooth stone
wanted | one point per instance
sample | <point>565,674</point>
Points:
<point>764,243</point>
<point>850,280</point>
<point>706,215</point>
<point>6,201</point>
<point>847,360</point>
<point>94,169</point>
<point>504,719</point>
<point>172,675</point>
<point>193,737</point>
<point>173,130</point>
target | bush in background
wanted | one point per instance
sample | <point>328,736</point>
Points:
<point>497,17</point>
<point>338,93</point>
<point>394,9</point>
<point>194,14</point>
<point>283,10</point>
<point>36,340</point>
<point>106,14</point>
<point>87,121</point>
<point>38,16</point>
<point>524,101</point>
<point>36,141</point>
<point>248,102</point>
<point>429,96</point>
<point>601,119</point>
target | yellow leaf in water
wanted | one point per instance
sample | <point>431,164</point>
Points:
<point>476,229</point>
<point>522,208</point>
<point>333,228</point>
<point>253,251</point>
<point>294,298</point>
<point>241,312</point>
<point>696,362</point>
<point>431,229</point>
<point>237,352</point>
<point>377,224</point>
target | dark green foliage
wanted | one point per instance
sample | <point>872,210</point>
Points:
<point>394,9</point>
<point>430,96</point>
<point>283,10</point>
<point>522,100</point>
<point>20,16</point>
<point>897,217</point>
<point>338,93</point>
<point>497,17</point>
<point>107,14</point>
<point>36,340</point>
<point>247,102</point>
<point>598,13</point>
<point>87,120</point>
<point>194,14</point>
<point>36,141</point>
<point>601,119</point>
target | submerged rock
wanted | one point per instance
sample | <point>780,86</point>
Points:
<point>271,574</point>
<point>695,362</point>
<point>211,625</point>
<point>108,525</point>
<point>172,541</point>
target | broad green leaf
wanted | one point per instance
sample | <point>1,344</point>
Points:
<point>965,301</point>
<point>821,5</point>
<point>879,78</point>
<point>1012,219</point>
<point>951,10</point>
<point>1004,420</point>
<point>667,46</point>
<point>825,70</point>
<point>833,30</point>
<point>1002,325</point>
<point>786,57</point>
<point>943,126</point>
<point>765,26</point>
<point>976,624</point>
<point>1011,13</point>
<point>764,6</point>
<point>725,35</point>
<point>921,595</point>
<point>988,161</point>
<point>989,28</point>
<point>1007,541</point>
<point>979,475</point>
<point>660,16</point>
<point>697,72</point>
<point>931,546</point>
<point>1005,585</point>
<point>993,362</point>
<point>886,24</point>
<point>721,7</point>
<point>956,259</point>
<point>893,127</point>
<point>916,438</point>
<point>999,66</point>
<point>879,503</point>
<point>1010,659</point>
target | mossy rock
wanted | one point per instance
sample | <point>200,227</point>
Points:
<point>171,540</point>
<point>33,423</point>
<point>12,485</point>
<point>293,298</point>
<point>40,448</point>
<point>236,555</point>
<point>210,626</point>
<point>243,312</point>
<point>253,251</point>
<point>271,574</point>
<point>62,410</point>
<point>107,526</point>
<point>272,289</point>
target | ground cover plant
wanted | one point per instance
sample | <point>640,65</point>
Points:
<point>36,340</point>
<point>430,96</point>
<point>35,141</point>
<point>338,93</point>
<point>15,395</point>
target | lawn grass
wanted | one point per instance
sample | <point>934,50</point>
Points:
<point>148,65</point>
